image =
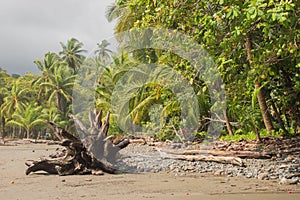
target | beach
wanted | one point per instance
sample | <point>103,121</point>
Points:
<point>14,184</point>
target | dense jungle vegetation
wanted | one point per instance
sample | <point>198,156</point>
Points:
<point>255,46</point>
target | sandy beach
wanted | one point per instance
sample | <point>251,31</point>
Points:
<point>14,184</point>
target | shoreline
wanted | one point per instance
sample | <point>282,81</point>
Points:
<point>162,185</point>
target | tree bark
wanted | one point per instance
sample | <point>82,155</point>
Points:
<point>278,118</point>
<point>221,159</point>
<point>59,101</point>
<point>240,154</point>
<point>2,132</point>
<point>264,109</point>
<point>28,133</point>
<point>260,97</point>
<point>228,125</point>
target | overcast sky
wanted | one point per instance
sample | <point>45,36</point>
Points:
<point>30,28</point>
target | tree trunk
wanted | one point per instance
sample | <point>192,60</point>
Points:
<point>264,109</point>
<point>260,96</point>
<point>59,101</point>
<point>2,132</point>
<point>228,125</point>
<point>28,133</point>
<point>209,158</point>
<point>278,118</point>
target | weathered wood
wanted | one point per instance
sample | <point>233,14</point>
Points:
<point>41,141</point>
<point>91,154</point>
<point>2,142</point>
<point>221,159</point>
<point>240,154</point>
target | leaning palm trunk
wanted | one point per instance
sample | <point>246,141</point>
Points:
<point>264,109</point>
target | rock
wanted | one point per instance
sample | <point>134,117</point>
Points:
<point>273,176</point>
<point>97,172</point>
<point>283,166</point>
<point>270,169</point>
<point>262,176</point>
<point>188,168</point>
<point>289,158</point>
<point>285,181</point>
<point>219,173</point>
<point>240,175</point>
<point>249,175</point>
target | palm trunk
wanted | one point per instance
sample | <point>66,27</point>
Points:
<point>260,97</point>
<point>228,125</point>
<point>278,118</point>
<point>28,133</point>
<point>264,109</point>
<point>2,132</point>
<point>59,102</point>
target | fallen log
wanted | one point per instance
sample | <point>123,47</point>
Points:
<point>91,154</point>
<point>240,154</point>
<point>220,159</point>
<point>40,141</point>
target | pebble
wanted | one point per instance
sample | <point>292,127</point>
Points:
<point>292,181</point>
<point>263,176</point>
<point>145,158</point>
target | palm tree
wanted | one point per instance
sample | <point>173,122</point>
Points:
<point>103,53</point>
<point>16,99</point>
<point>47,66</point>
<point>52,114</point>
<point>3,94</point>
<point>49,62</point>
<point>59,86</point>
<point>72,54</point>
<point>125,15</point>
<point>110,76</point>
<point>27,117</point>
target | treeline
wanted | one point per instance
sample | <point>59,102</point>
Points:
<point>255,46</point>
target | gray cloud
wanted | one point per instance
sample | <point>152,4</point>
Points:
<point>29,29</point>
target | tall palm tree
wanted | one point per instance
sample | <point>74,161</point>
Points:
<point>103,53</point>
<point>47,67</point>
<point>52,114</point>
<point>110,76</point>
<point>72,54</point>
<point>16,99</point>
<point>60,85</point>
<point>125,15</point>
<point>27,117</point>
<point>3,93</point>
<point>48,63</point>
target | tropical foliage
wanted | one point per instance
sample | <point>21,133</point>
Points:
<point>255,46</point>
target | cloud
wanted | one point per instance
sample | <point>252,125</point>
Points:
<point>31,28</point>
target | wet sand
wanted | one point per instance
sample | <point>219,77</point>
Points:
<point>14,184</point>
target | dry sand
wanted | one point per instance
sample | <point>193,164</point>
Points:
<point>14,184</point>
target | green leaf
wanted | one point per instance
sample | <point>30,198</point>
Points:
<point>255,94</point>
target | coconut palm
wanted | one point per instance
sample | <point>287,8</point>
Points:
<point>27,117</point>
<point>48,63</point>
<point>3,93</point>
<point>72,54</point>
<point>60,85</point>
<point>110,76</point>
<point>15,99</point>
<point>47,66</point>
<point>125,15</point>
<point>103,53</point>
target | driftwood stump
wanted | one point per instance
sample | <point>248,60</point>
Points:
<point>92,154</point>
